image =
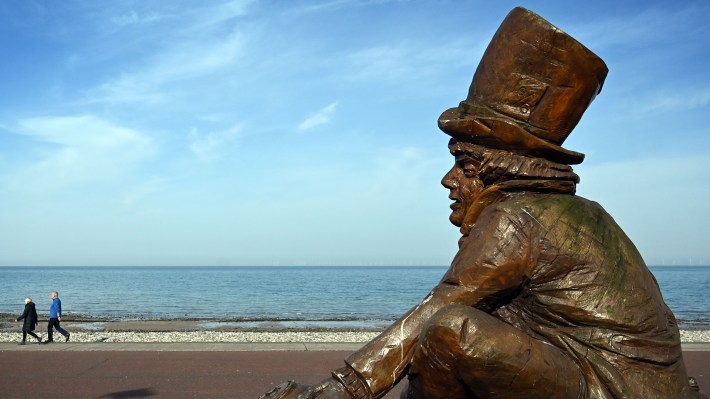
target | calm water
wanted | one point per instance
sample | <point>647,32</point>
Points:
<point>298,296</point>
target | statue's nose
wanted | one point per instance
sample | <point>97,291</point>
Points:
<point>449,181</point>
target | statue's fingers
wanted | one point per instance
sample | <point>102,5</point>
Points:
<point>287,390</point>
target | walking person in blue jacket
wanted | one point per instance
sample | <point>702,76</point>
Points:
<point>55,316</point>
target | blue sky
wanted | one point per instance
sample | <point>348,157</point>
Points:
<point>304,132</point>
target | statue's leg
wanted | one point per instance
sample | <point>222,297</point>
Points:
<point>466,353</point>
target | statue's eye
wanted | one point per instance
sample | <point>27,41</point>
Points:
<point>469,170</point>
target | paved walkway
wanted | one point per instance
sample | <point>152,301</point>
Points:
<point>191,370</point>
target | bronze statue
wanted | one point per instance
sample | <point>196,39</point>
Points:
<point>546,297</point>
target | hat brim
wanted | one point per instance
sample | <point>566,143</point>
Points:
<point>503,133</point>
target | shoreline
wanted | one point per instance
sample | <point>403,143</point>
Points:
<point>187,331</point>
<point>94,330</point>
<point>178,323</point>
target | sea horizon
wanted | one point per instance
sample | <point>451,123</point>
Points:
<point>364,296</point>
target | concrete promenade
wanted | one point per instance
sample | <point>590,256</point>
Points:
<point>191,370</point>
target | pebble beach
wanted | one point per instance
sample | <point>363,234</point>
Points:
<point>152,331</point>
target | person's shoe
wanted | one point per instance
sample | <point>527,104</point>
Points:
<point>39,340</point>
<point>67,338</point>
<point>21,343</point>
<point>47,342</point>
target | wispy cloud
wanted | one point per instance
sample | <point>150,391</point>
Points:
<point>336,4</point>
<point>81,148</point>
<point>411,60</point>
<point>207,146</point>
<point>649,26</point>
<point>217,14</point>
<point>186,60</point>
<point>186,44</point>
<point>321,117</point>
<point>693,98</point>
<point>133,17</point>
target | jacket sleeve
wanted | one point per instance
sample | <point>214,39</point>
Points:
<point>24,314</point>
<point>493,259</point>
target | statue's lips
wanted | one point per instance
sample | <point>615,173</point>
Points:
<point>455,205</point>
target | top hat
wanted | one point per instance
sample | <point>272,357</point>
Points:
<point>530,89</point>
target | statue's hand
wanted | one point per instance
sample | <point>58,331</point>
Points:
<point>344,383</point>
<point>287,390</point>
<point>330,388</point>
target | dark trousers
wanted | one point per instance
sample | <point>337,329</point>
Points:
<point>24,335</point>
<point>54,323</point>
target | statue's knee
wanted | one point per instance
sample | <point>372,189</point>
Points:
<point>462,319</point>
<point>465,332</point>
<point>447,339</point>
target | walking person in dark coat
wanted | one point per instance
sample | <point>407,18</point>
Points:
<point>30,321</point>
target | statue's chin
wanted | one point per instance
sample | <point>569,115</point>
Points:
<point>455,219</point>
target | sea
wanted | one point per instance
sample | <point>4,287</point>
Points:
<point>308,297</point>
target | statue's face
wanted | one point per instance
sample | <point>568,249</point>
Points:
<point>464,185</point>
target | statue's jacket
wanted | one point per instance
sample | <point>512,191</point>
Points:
<point>558,267</point>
